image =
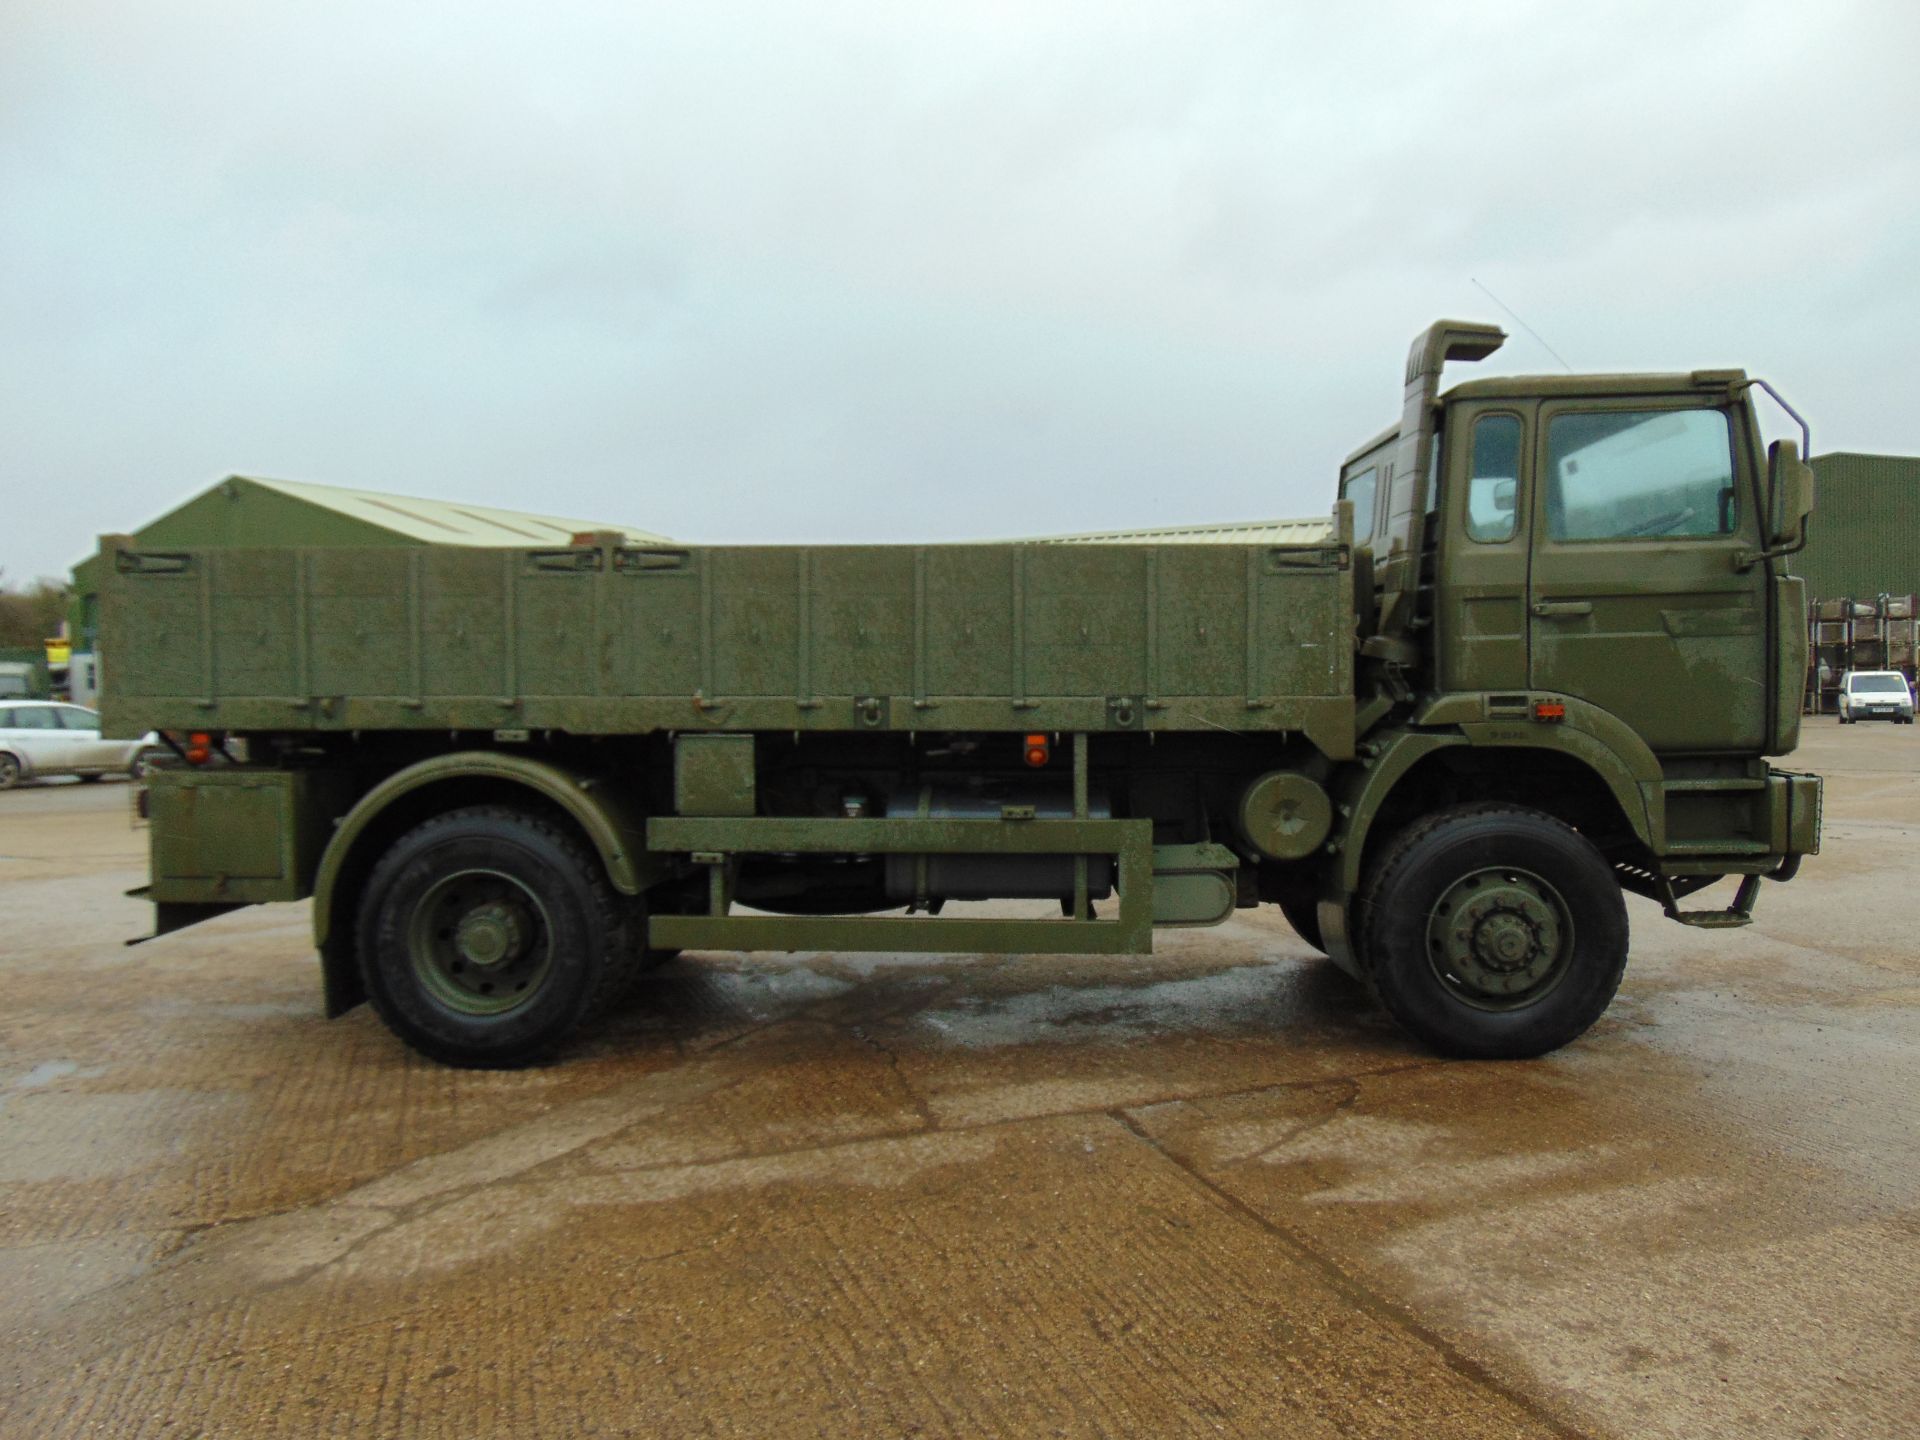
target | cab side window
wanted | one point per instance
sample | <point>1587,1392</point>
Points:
<point>1633,474</point>
<point>1361,490</point>
<point>1493,480</point>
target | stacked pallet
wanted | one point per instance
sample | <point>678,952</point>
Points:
<point>1848,634</point>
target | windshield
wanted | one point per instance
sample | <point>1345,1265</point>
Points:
<point>1629,474</point>
<point>1878,685</point>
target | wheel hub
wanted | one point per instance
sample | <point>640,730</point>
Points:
<point>491,935</point>
<point>480,942</point>
<point>1499,935</point>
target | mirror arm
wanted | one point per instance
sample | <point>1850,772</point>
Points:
<point>1747,559</point>
<point>1806,433</point>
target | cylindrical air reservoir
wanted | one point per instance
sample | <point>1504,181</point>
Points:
<point>1284,815</point>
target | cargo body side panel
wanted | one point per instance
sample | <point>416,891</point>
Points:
<point>628,640</point>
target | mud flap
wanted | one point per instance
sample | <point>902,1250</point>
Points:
<point>1335,938</point>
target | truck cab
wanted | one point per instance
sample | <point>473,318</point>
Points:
<point>1602,555</point>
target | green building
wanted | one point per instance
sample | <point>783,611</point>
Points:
<point>1865,537</point>
<point>244,510</point>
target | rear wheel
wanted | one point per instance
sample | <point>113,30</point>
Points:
<point>1494,932</point>
<point>487,935</point>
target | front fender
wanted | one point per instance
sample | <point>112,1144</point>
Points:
<point>1597,738</point>
<point>1594,737</point>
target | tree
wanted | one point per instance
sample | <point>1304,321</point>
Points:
<point>29,615</point>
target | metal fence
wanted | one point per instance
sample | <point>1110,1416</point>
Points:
<point>1857,634</point>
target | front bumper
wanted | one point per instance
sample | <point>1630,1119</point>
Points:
<point>1793,812</point>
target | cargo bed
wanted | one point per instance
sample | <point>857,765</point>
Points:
<point>617,638</point>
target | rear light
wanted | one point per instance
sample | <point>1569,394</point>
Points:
<point>1549,710</point>
<point>1039,751</point>
<point>199,748</point>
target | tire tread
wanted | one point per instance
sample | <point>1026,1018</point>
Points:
<point>616,918</point>
<point>1385,874</point>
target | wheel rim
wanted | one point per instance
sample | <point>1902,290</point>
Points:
<point>480,943</point>
<point>1500,938</point>
<point>9,772</point>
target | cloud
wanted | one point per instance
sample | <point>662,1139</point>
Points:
<point>752,271</point>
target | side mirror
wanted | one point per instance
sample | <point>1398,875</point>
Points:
<point>1789,493</point>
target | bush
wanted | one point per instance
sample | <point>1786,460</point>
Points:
<point>29,615</point>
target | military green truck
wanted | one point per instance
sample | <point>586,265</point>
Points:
<point>1537,658</point>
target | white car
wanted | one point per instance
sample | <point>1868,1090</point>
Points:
<point>42,737</point>
<point>1875,695</point>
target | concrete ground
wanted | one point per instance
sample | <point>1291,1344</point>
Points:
<point>1210,1192</point>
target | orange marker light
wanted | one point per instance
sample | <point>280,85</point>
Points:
<point>199,748</point>
<point>1549,710</point>
<point>1039,751</point>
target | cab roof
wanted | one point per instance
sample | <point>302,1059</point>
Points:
<point>1560,386</point>
<point>1556,387</point>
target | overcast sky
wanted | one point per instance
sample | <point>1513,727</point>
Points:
<point>774,272</point>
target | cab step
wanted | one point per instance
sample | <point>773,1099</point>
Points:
<point>1717,847</point>
<point>1739,913</point>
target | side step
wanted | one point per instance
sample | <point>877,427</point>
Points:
<point>717,843</point>
<point>1739,913</point>
<point>1683,848</point>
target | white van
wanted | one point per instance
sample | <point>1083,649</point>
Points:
<point>1875,695</point>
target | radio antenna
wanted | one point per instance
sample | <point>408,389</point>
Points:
<point>1524,326</point>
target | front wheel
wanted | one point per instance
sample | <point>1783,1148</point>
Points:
<point>9,772</point>
<point>1494,932</point>
<point>488,934</point>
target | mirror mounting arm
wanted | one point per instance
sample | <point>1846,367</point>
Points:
<point>1806,432</point>
<point>1744,560</point>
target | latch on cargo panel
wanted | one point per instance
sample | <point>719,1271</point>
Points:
<point>871,711</point>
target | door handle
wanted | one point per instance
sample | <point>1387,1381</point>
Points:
<point>1563,607</point>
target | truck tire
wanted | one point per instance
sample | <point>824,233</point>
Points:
<point>486,936</point>
<point>1494,932</point>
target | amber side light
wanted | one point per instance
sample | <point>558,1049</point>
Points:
<point>1039,750</point>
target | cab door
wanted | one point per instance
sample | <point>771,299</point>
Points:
<point>1636,599</point>
<point>1481,596</point>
